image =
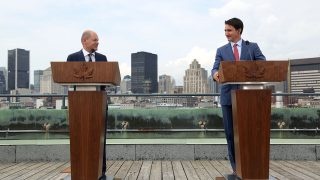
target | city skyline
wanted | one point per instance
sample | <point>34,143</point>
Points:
<point>177,31</point>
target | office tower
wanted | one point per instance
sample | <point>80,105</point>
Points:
<point>304,75</point>
<point>3,80</point>
<point>37,74</point>
<point>178,90</point>
<point>125,85</point>
<point>18,69</point>
<point>195,79</point>
<point>144,72</point>
<point>166,84</point>
<point>47,86</point>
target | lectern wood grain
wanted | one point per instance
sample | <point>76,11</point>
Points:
<point>253,71</point>
<point>251,123</point>
<point>251,113</point>
<point>87,113</point>
<point>86,72</point>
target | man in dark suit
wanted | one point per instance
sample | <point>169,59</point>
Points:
<point>236,49</point>
<point>90,42</point>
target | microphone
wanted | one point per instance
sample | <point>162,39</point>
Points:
<point>248,43</point>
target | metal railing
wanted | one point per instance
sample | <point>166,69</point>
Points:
<point>312,131</point>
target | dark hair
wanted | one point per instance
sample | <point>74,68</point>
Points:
<point>236,23</point>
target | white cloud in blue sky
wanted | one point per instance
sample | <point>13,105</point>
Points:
<point>177,30</point>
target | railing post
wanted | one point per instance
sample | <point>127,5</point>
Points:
<point>64,102</point>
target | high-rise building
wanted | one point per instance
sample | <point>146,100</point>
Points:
<point>195,79</point>
<point>3,80</point>
<point>166,84</point>
<point>18,69</point>
<point>304,75</point>
<point>144,72</point>
<point>125,85</point>
<point>178,90</point>
<point>47,86</point>
<point>37,74</point>
<point>213,85</point>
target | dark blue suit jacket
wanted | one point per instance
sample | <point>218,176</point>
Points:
<point>249,51</point>
<point>78,56</point>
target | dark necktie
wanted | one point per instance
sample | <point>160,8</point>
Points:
<point>236,52</point>
<point>90,59</point>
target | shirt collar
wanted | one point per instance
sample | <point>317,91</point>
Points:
<point>239,43</point>
<point>85,53</point>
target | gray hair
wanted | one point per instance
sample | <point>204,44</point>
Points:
<point>86,34</point>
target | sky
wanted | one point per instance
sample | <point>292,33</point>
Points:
<point>178,31</point>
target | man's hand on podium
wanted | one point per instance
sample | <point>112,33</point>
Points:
<point>216,76</point>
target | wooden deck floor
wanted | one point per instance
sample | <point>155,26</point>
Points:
<point>153,170</point>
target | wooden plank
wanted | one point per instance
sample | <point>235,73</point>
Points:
<point>14,169</point>
<point>123,171</point>
<point>293,171</point>
<point>31,170</point>
<point>9,168</point>
<point>210,169</point>
<point>61,176</point>
<point>112,171</point>
<point>277,175</point>
<point>221,168</point>
<point>152,170</point>
<point>227,165</point>
<point>109,164</point>
<point>22,170</point>
<point>134,170</point>
<point>301,169</point>
<point>167,172</point>
<point>200,170</point>
<point>155,173</point>
<point>6,165</point>
<point>314,165</point>
<point>282,170</point>
<point>55,172</point>
<point>189,170</point>
<point>178,171</point>
<point>67,170</point>
<point>145,170</point>
<point>51,167</point>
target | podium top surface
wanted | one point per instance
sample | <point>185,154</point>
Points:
<point>253,72</point>
<point>86,73</point>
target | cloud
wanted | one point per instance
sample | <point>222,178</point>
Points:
<point>231,7</point>
<point>177,31</point>
<point>177,67</point>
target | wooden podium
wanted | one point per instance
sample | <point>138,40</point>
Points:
<point>87,112</point>
<point>251,108</point>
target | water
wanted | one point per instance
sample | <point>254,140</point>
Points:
<point>201,134</point>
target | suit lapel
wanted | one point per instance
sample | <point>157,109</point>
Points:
<point>97,57</point>
<point>244,50</point>
<point>229,53</point>
<point>81,56</point>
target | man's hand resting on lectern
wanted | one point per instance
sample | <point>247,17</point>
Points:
<point>216,76</point>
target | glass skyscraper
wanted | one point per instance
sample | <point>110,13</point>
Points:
<point>144,72</point>
<point>18,69</point>
<point>37,75</point>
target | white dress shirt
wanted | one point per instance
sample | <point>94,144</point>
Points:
<point>86,55</point>
<point>239,45</point>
